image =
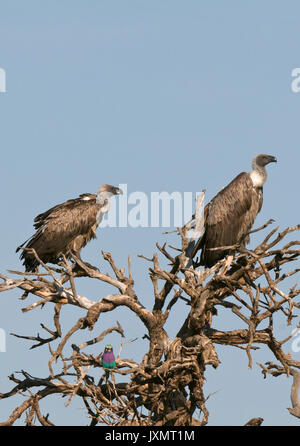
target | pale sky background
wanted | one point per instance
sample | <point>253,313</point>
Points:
<point>163,95</point>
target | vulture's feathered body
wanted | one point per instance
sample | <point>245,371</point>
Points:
<point>230,215</point>
<point>67,227</point>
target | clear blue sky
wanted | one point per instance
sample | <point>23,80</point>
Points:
<point>163,95</point>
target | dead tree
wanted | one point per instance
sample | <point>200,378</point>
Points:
<point>166,387</point>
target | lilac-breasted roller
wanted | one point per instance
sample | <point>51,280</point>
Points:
<point>108,359</point>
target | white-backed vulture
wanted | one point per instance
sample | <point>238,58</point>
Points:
<point>67,227</point>
<point>229,216</point>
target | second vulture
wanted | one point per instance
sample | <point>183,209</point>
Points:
<point>230,215</point>
<point>66,228</point>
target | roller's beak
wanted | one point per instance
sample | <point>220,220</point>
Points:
<point>273,159</point>
<point>119,191</point>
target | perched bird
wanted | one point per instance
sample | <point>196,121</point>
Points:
<point>230,215</point>
<point>67,227</point>
<point>255,422</point>
<point>108,359</point>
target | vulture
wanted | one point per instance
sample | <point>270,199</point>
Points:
<point>229,216</point>
<point>66,228</point>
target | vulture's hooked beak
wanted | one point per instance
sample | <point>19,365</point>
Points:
<point>273,159</point>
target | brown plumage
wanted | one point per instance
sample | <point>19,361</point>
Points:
<point>255,422</point>
<point>67,227</point>
<point>230,215</point>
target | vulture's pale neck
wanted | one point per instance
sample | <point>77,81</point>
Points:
<point>258,174</point>
<point>103,198</point>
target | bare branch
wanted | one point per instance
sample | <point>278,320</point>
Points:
<point>166,386</point>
